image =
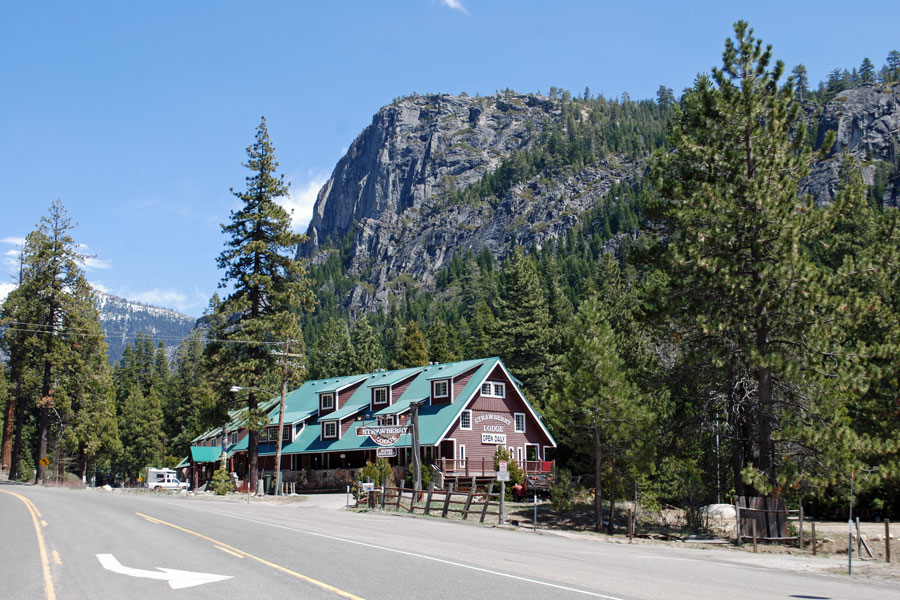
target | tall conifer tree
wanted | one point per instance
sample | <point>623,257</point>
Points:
<point>268,289</point>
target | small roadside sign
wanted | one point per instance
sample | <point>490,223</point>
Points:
<point>45,461</point>
<point>501,465</point>
<point>502,475</point>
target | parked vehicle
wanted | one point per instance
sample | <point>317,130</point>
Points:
<point>164,479</point>
<point>534,482</point>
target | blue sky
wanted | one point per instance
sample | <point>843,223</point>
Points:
<point>137,115</point>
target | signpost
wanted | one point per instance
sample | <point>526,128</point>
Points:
<point>503,477</point>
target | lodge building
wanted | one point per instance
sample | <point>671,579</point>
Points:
<point>333,426</point>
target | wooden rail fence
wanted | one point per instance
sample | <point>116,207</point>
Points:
<point>436,502</point>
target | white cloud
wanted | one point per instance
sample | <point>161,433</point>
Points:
<point>302,199</point>
<point>12,240</point>
<point>455,5</point>
<point>5,289</point>
<point>92,263</point>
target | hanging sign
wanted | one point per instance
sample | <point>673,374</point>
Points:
<point>384,435</point>
<point>385,452</point>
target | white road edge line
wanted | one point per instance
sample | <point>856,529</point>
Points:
<point>413,554</point>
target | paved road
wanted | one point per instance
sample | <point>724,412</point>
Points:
<point>95,544</point>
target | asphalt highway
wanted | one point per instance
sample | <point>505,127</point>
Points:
<point>75,544</point>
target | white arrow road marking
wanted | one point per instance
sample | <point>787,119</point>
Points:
<point>177,579</point>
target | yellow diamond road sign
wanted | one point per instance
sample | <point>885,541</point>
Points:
<point>45,461</point>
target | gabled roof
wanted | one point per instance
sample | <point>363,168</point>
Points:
<point>302,404</point>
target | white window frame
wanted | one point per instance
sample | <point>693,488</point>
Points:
<point>445,383</point>
<point>461,450</point>
<point>375,401</point>
<point>465,413</point>
<point>325,427</point>
<point>520,455</point>
<point>330,397</point>
<point>494,389</point>
<point>386,421</point>
<point>516,422</point>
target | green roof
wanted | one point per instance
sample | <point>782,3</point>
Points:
<point>202,454</point>
<point>186,461</point>
<point>302,404</point>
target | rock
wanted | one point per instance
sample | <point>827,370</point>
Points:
<point>723,511</point>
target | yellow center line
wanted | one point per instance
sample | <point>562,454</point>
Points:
<point>223,546</point>
<point>49,592</point>
<point>230,552</point>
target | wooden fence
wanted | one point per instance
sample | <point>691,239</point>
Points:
<point>761,517</point>
<point>436,502</point>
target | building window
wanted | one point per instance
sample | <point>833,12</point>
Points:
<point>379,396</point>
<point>286,434</point>
<point>462,456</point>
<point>520,422</point>
<point>519,454</point>
<point>441,389</point>
<point>234,438</point>
<point>465,419</point>
<point>327,402</point>
<point>387,421</point>
<point>329,429</point>
<point>493,388</point>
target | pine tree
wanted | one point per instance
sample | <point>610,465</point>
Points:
<point>366,351</point>
<point>801,82</point>
<point>56,301</point>
<point>867,71</point>
<point>742,291</point>
<point>140,422</point>
<point>332,352</point>
<point>8,424</point>
<point>523,328</point>
<point>412,351</point>
<point>439,344</point>
<point>269,289</point>
<point>893,65</point>
<point>595,404</point>
<point>191,401</point>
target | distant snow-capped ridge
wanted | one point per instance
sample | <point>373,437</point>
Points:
<point>123,320</point>
<point>108,302</point>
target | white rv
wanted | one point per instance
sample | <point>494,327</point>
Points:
<point>164,479</point>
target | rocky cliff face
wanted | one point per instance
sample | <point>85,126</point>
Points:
<point>395,190</point>
<point>866,122</point>
<point>396,185</point>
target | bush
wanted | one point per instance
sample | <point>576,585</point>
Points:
<point>221,482</point>
<point>561,493</point>
<point>379,473</point>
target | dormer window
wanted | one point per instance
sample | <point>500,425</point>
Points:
<point>441,388</point>
<point>329,429</point>
<point>493,388</point>
<point>326,402</point>
<point>379,396</point>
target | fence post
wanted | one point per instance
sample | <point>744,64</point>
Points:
<point>813,527</point>
<point>737,516</point>
<point>446,503</point>
<point>400,492</point>
<point>887,540</point>
<point>465,512</point>
<point>487,501</point>
<point>858,539</point>
<point>383,492</point>
<point>800,539</point>
<point>753,523</point>
<point>428,499</point>
<point>630,530</point>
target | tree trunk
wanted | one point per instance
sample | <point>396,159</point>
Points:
<point>766,442</point>
<point>40,474</point>
<point>598,469</point>
<point>612,492</point>
<point>17,440</point>
<point>252,447</point>
<point>9,429</point>
<point>737,450</point>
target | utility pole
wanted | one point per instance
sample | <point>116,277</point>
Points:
<point>284,365</point>
<point>416,453</point>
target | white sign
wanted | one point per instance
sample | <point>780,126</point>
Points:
<point>367,486</point>
<point>502,475</point>
<point>383,435</point>
<point>501,466</point>
<point>385,452</point>
<point>177,579</point>
<point>492,417</point>
<point>493,438</point>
